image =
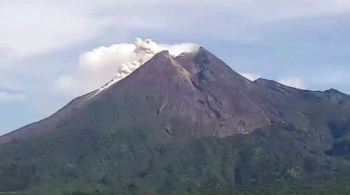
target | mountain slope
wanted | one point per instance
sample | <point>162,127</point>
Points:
<point>181,123</point>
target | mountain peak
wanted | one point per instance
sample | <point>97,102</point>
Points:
<point>144,50</point>
<point>164,53</point>
<point>334,91</point>
<point>149,47</point>
<point>174,111</point>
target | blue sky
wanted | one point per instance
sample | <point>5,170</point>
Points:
<point>304,43</point>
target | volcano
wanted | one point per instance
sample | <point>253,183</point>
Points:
<point>181,124</point>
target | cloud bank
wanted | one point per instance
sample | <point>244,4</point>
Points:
<point>109,64</point>
<point>34,28</point>
<point>67,23</point>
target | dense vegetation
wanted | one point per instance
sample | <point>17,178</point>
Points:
<point>278,157</point>
<point>321,189</point>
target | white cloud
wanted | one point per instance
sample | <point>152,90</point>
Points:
<point>101,65</point>
<point>34,28</point>
<point>11,96</point>
<point>250,76</point>
<point>293,82</point>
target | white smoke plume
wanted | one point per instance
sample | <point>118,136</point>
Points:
<point>105,66</point>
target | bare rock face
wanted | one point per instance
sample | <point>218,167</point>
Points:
<point>180,118</point>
